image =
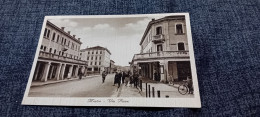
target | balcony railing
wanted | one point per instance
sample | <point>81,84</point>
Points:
<point>48,55</point>
<point>162,54</point>
<point>158,38</point>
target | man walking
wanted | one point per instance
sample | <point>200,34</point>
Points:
<point>123,77</point>
<point>135,78</point>
<point>80,74</point>
<point>104,74</point>
<point>117,79</point>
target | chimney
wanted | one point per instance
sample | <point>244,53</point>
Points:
<point>79,39</point>
<point>69,32</point>
<point>62,28</point>
<point>74,36</point>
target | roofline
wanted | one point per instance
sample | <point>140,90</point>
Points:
<point>62,31</point>
<point>160,20</point>
<point>93,48</point>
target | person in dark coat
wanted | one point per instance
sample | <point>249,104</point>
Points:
<point>104,74</point>
<point>118,79</point>
<point>80,74</point>
<point>135,78</point>
<point>123,77</point>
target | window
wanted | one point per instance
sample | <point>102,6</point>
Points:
<point>181,46</point>
<point>80,54</point>
<point>58,38</point>
<point>69,43</point>
<point>59,52</point>
<point>62,41</point>
<point>88,52</point>
<point>159,48</point>
<point>55,51</point>
<point>48,33</point>
<point>179,29</point>
<point>96,52</point>
<point>90,63</point>
<point>41,46</point>
<point>158,30</point>
<point>44,49</point>
<point>99,63</point>
<point>95,63</point>
<point>93,52</point>
<point>53,36</point>
<point>88,58</point>
<point>100,58</point>
<point>96,57</point>
<point>50,50</point>
<point>45,32</point>
<point>65,42</point>
<point>100,52</point>
<point>62,53</point>
<point>92,58</point>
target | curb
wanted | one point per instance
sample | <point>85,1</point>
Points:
<point>59,81</point>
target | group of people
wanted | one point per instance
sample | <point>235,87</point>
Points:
<point>126,78</point>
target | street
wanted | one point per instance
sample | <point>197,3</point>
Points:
<point>87,87</point>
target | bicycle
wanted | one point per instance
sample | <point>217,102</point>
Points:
<point>183,88</point>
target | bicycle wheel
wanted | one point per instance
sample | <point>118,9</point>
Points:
<point>183,89</point>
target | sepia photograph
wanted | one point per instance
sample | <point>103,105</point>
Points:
<point>114,60</point>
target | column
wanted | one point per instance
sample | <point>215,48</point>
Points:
<point>77,70</point>
<point>52,67</point>
<point>57,75</point>
<point>70,71</point>
<point>46,71</point>
<point>62,71</point>
<point>162,71</point>
<point>37,70</point>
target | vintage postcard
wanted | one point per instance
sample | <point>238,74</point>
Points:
<point>115,60</point>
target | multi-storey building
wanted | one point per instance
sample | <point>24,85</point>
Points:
<point>98,59</point>
<point>164,52</point>
<point>59,55</point>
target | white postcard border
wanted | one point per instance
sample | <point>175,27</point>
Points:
<point>111,101</point>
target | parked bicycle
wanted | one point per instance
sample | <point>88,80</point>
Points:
<point>184,88</point>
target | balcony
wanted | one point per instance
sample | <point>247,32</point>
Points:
<point>51,56</point>
<point>158,38</point>
<point>162,54</point>
<point>65,48</point>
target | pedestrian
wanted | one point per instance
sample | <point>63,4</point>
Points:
<point>120,76</point>
<point>104,74</point>
<point>189,81</point>
<point>135,78</point>
<point>117,79</point>
<point>80,74</point>
<point>123,77</point>
<point>127,78</point>
<point>69,75</point>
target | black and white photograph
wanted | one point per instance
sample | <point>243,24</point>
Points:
<point>115,60</point>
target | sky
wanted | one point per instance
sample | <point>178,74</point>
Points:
<point>120,35</point>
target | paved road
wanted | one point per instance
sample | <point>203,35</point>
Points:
<point>88,87</point>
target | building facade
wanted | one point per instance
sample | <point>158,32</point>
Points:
<point>59,55</point>
<point>98,59</point>
<point>164,54</point>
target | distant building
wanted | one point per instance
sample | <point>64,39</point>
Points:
<point>58,56</point>
<point>112,66</point>
<point>164,54</point>
<point>98,59</point>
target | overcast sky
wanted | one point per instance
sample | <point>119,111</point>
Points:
<point>120,35</point>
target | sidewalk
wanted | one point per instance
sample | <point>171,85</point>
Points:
<point>40,83</point>
<point>165,90</point>
<point>127,91</point>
